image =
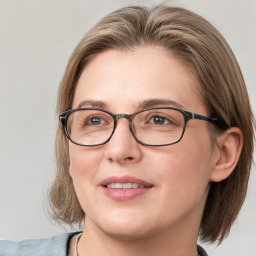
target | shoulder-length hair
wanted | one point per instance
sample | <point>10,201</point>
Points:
<point>220,81</point>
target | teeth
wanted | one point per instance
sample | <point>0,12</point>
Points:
<point>135,185</point>
<point>125,185</point>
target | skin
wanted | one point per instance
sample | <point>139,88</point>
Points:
<point>168,216</point>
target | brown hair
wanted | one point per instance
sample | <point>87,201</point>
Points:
<point>196,41</point>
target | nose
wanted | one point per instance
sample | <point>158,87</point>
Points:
<point>123,147</point>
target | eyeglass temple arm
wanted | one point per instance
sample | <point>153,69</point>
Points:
<point>62,120</point>
<point>200,117</point>
<point>218,122</point>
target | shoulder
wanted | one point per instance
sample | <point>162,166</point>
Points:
<point>54,246</point>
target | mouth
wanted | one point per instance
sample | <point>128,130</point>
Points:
<point>124,182</point>
<point>124,188</point>
<point>128,185</point>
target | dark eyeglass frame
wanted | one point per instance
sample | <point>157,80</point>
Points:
<point>63,118</point>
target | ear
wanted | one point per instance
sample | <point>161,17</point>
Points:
<point>227,153</point>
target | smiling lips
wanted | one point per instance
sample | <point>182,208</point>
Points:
<point>124,188</point>
<point>124,185</point>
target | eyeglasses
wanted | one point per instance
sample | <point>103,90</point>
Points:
<point>159,126</point>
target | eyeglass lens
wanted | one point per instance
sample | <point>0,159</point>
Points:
<point>152,127</point>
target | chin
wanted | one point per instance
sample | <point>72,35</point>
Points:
<point>126,235</point>
<point>126,229</point>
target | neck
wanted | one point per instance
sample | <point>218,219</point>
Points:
<point>94,242</point>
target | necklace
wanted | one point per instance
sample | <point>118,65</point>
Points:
<point>77,243</point>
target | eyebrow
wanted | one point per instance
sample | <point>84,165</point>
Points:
<point>156,102</point>
<point>142,105</point>
<point>93,103</point>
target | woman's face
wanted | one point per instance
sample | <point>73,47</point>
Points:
<point>177,176</point>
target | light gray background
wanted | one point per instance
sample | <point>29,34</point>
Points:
<point>36,40</point>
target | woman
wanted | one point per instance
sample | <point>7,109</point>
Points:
<point>155,142</point>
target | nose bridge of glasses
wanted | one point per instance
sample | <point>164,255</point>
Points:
<point>126,116</point>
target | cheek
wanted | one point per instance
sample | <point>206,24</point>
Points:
<point>83,170</point>
<point>186,172</point>
<point>83,161</point>
<point>184,168</point>
<point>195,161</point>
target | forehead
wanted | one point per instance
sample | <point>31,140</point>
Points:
<point>127,77</point>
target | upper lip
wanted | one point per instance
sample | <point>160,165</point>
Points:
<point>124,179</point>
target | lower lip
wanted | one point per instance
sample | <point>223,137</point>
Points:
<point>125,194</point>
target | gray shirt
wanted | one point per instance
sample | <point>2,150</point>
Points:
<point>55,246</point>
